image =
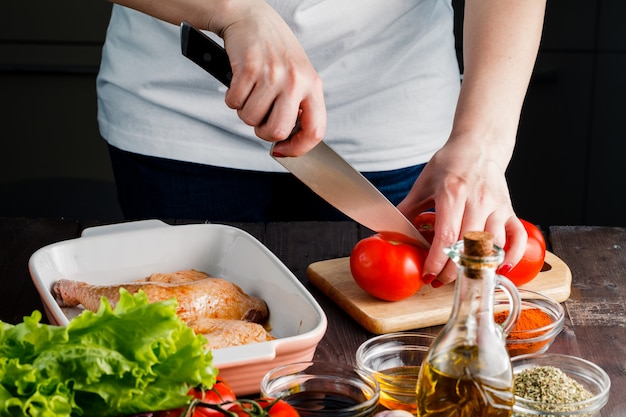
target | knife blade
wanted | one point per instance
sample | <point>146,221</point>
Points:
<point>321,169</point>
<point>331,177</point>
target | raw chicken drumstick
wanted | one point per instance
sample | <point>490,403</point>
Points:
<point>199,296</point>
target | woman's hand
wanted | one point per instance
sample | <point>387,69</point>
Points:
<point>465,180</point>
<point>467,186</point>
<point>274,84</point>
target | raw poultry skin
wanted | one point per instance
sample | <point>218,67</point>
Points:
<point>222,333</point>
<point>199,296</point>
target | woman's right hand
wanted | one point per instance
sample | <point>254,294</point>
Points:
<point>274,84</point>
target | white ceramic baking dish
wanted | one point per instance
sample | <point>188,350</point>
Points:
<point>124,252</point>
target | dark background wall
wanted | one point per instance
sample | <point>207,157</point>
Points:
<point>53,161</point>
<point>568,166</point>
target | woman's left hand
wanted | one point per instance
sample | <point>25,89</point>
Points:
<point>465,180</point>
<point>467,186</point>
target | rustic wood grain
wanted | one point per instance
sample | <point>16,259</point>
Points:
<point>596,308</point>
<point>595,323</point>
<point>428,307</point>
<point>300,244</point>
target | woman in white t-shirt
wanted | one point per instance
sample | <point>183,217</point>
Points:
<point>377,80</point>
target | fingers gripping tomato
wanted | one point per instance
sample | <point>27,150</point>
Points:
<point>387,269</point>
<point>534,255</point>
<point>527,268</point>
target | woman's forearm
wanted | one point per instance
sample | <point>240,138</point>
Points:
<point>212,15</point>
<point>500,44</point>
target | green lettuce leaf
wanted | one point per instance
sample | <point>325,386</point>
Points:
<point>135,358</point>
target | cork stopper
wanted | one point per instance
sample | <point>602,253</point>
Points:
<point>478,244</point>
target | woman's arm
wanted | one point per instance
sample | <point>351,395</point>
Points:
<point>273,81</point>
<point>465,180</point>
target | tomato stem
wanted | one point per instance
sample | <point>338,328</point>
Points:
<point>250,407</point>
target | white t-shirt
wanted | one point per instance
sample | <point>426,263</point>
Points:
<point>389,69</point>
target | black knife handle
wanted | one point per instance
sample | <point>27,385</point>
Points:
<point>205,52</point>
<point>209,55</point>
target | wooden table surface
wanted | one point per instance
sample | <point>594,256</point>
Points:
<point>595,325</point>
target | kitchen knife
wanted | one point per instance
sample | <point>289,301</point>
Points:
<point>205,52</point>
<point>332,178</point>
<point>321,169</point>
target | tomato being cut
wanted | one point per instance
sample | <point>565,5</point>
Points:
<point>534,255</point>
<point>386,268</point>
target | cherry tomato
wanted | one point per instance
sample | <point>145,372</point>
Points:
<point>221,392</point>
<point>263,407</point>
<point>425,224</point>
<point>532,261</point>
<point>386,268</point>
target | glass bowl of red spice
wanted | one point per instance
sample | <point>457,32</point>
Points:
<point>541,320</point>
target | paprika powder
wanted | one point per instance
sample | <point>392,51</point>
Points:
<point>530,319</point>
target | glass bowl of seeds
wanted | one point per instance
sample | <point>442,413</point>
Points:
<point>552,384</point>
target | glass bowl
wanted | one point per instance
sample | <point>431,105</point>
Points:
<point>394,359</point>
<point>323,388</point>
<point>532,336</point>
<point>590,376</point>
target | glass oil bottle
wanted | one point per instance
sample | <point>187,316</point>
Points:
<point>467,371</point>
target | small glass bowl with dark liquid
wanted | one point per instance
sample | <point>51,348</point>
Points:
<point>323,388</point>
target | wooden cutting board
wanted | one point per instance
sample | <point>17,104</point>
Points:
<point>429,307</point>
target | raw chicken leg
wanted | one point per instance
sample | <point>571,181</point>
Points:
<point>222,333</point>
<point>199,296</point>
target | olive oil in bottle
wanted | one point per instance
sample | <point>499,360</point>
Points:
<point>443,394</point>
<point>467,371</point>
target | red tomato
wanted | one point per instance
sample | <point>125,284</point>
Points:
<point>387,269</point>
<point>220,393</point>
<point>532,261</point>
<point>263,407</point>
<point>425,223</point>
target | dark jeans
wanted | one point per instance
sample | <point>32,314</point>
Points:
<point>150,187</point>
